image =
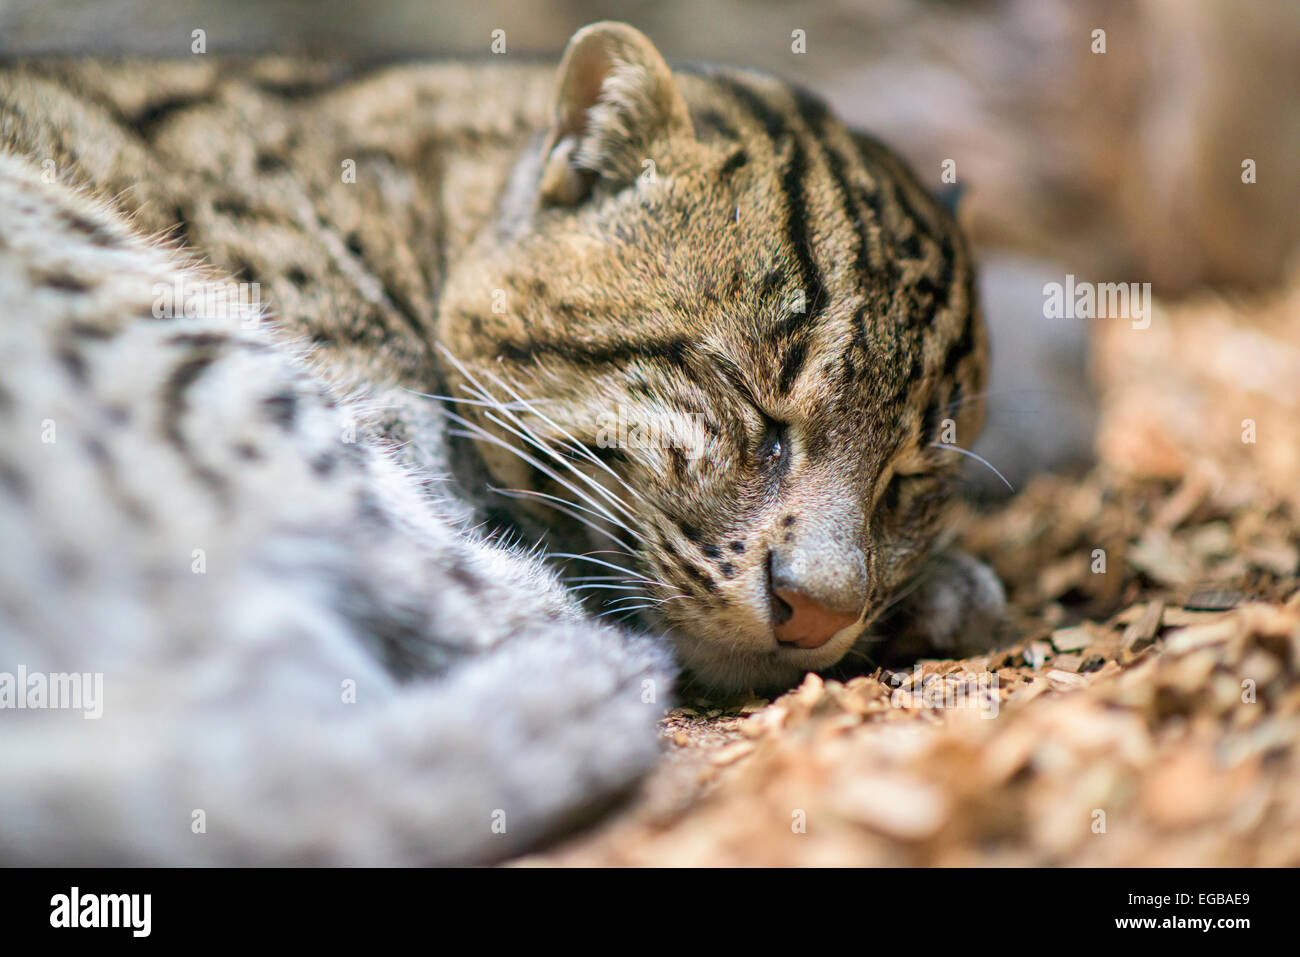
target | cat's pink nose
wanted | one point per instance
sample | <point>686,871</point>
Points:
<point>809,623</point>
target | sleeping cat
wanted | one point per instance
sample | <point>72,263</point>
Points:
<point>717,355</point>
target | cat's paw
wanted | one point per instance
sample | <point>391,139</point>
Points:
<point>955,607</point>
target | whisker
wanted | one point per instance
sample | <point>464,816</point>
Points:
<point>577,446</point>
<point>546,495</point>
<point>521,494</point>
<point>636,588</point>
<point>925,575</point>
<point>622,619</point>
<point>533,439</point>
<point>597,561</point>
<point>463,401</point>
<point>625,610</point>
<point>977,458</point>
<point>542,446</point>
<point>479,432</point>
<point>649,601</point>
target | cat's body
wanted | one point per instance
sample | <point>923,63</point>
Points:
<point>309,651</point>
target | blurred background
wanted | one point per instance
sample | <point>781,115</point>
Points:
<point>1117,166</point>
<point>1126,162</point>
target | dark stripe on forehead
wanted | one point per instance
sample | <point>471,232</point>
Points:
<point>814,114</point>
<point>797,232</point>
<point>875,266</point>
<point>731,372</point>
<point>877,250</point>
<point>772,121</point>
<point>885,173</point>
<point>937,286</point>
<point>903,197</point>
<point>710,122</point>
<point>812,108</point>
<point>673,351</point>
<point>791,364</point>
<point>872,147</point>
<point>793,175</point>
<point>871,197</point>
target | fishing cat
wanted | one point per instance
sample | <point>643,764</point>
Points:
<point>707,347</point>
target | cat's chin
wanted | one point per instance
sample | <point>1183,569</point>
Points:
<point>719,666</point>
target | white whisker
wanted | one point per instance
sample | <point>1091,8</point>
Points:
<point>977,458</point>
<point>463,401</point>
<point>532,437</point>
<point>577,445</point>
<point>511,493</point>
<point>518,492</point>
<point>479,432</point>
<point>597,561</point>
<point>542,446</point>
<point>629,608</point>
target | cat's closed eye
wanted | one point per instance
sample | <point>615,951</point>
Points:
<point>773,453</point>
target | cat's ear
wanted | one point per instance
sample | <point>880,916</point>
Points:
<point>614,98</point>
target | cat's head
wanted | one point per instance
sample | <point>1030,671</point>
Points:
<point>728,333</point>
